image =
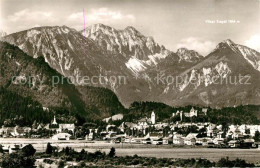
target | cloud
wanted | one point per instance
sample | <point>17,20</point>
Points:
<point>78,15</point>
<point>201,46</point>
<point>26,15</point>
<point>254,42</point>
<point>102,15</point>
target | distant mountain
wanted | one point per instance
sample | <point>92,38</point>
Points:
<point>2,34</point>
<point>188,55</point>
<point>128,42</point>
<point>29,77</point>
<point>146,65</point>
<point>215,80</point>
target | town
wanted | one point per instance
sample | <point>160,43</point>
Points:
<point>144,131</point>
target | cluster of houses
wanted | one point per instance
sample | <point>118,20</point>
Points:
<point>11,148</point>
<point>60,130</point>
<point>213,135</point>
<point>148,131</point>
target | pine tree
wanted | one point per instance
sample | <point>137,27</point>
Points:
<point>112,152</point>
<point>49,148</point>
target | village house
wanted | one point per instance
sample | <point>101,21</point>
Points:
<point>190,139</point>
<point>204,110</point>
<point>192,113</point>
<point>13,148</point>
<point>61,136</point>
<point>146,141</point>
<point>233,143</point>
<point>253,129</point>
<point>63,127</point>
<point>168,140</point>
<point>203,141</point>
<point>114,118</point>
<point>14,131</point>
<point>247,143</point>
<point>210,130</point>
<point>177,139</point>
<point>156,138</point>
<point>90,136</point>
<point>218,141</point>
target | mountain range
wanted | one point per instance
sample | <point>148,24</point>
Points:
<point>147,67</point>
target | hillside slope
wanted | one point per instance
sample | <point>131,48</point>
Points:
<point>29,77</point>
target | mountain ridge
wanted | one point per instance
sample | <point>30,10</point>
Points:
<point>140,59</point>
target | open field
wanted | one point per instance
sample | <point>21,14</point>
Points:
<point>164,151</point>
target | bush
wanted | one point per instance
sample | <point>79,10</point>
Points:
<point>112,152</point>
<point>17,160</point>
<point>61,164</point>
<point>49,148</point>
<point>28,150</point>
<point>49,161</point>
<point>82,164</point>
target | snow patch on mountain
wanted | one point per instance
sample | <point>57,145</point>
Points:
<point>154,59</point>
<point>205,75</point>
<point>252,56</point>
<point>32,33</point>
<point>135,65</point>
<point>222,69</point>
<point>188,79</point>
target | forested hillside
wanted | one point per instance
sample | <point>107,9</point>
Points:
<point>15,109</point>
<point>85,101</point>
<point>248,114</point>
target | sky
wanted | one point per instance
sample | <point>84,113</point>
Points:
<point>195,24</point>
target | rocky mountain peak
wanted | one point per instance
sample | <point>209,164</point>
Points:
<point>229,42</point>
<point>99,27</point>
<point>226,44</point>
<point>250,55</point>
<point>131,30</point>
<point>139,59</point>
<point>188,55</point>
<point>128,42</point>
<point>2,34</point>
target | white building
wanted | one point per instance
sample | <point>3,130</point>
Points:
<point>54,121</point>
<point>61,136</point>
<point>192,113</point>
<point>190,139</point>
<point>90,136</point>
<point>205,110</point>
<point>177,139</point>
<point>69,127</point>
<point>153,117</point>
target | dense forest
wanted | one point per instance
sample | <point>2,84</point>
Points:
<point>17,110</point>
<point>23,111</point>
<point>248,114</point>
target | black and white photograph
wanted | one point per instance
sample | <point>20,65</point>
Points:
<point>129,83</point>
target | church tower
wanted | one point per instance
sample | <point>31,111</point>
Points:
<point>153,117</point>
<point>54,121</point>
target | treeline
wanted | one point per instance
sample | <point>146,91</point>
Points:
<point>101,102</point>
<point>23,111</point>
<point>17,110</point>
<point>102,159</point>
<point>247,114</point>
<point>26,157</point>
